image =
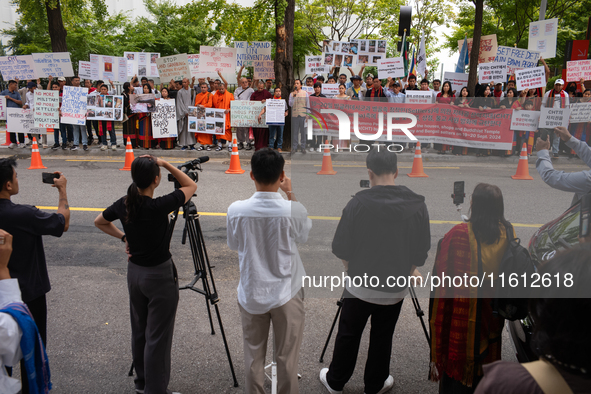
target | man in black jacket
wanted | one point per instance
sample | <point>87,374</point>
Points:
<point>383,236</point>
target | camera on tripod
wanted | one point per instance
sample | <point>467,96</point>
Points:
<point>190,168</point>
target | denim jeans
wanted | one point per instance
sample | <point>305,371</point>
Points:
<point>111,133</point>
<point>56,135</point>
<point>276,129</point>
<point>78,131</point>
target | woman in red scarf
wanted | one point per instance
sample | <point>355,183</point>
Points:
<point>261,134</point>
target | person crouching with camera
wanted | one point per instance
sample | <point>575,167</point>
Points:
<point>151,275</point>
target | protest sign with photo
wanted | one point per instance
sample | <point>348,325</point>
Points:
<point>488,48</point>
<point>248,53</point>
<point>108,68</point>
<point>393,67</point>
<point>492,72</point>
<point>542,37</point>
<point>164,119</point>
<point>553,117</point>
<point>207,120</point>
<point>17,67</point>
<point>74,102</point>
<point>330,89</point>
<point>142,64</point>
<point>419,97</point>
<point>46,109</point>
<point>173,67</point>
<point>530,78</point>
<point>457,80</point>
<point>3,108</point>
<point>328,60</point>
<point>20,120</point>
<point>523,120</point>
<point>193,61</point>
<point>142,103</point>
<point>516,58</point>
<point>264,69</point>
<point>315,65</point>
<point>275,111</point>
<point>214,59</point>
<point>56,64</point>
<point>580,112</point>
<point>578,69</point>
<point>245,113</point>
<point>104,107</point>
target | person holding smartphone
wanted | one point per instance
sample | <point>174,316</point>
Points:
<point>151,274</point>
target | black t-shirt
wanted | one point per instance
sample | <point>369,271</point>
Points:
<point>27,263</point>
<point>146,235</point>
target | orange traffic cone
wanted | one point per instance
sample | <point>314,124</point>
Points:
<point>417,164</point>
<point>129,157</point>
<point>36,163</point>
<point>326,168</point>
<point>522,168</point>
<point>235,167</point>
<point>7,139</point>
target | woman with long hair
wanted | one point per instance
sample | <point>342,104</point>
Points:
<point>446,96</point>
<point>462,101</point>
<point>165,143</point>
<point>151,275</point>
<point>465,334</point>
<point>484,101</point>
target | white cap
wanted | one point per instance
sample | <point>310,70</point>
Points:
<point>559,81</point>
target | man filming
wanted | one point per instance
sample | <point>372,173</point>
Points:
<point>384,233</point>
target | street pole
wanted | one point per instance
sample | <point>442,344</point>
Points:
<point>543,10</point>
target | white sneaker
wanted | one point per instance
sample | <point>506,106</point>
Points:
<point>22,145</point>
<point>12,146</point>
<point>113,147</point>
<point>45,146</point>
<point>388,384</point>
<point>323,373</point>
<point>104,147</point>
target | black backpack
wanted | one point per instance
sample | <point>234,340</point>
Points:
<point>511,302</point>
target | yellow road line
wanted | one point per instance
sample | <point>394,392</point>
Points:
<point>116,161</point>
<point>311,217</point>
<point>360,166</point>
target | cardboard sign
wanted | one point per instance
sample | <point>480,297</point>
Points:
<point>315,65</point>
<point>164,119</point>
<point>214,59</point>
<point>393,67</point>
<point>554,117</point>
<point>542,37</point>
<point>330,89</point>
<point>173,67</point>
<point>264,69</point>
<point>580,112</point>
<point>488,48</point>
<point>275,111</point>
<point>577,70</point>
<point>2,108</point>
<point>457,80</point>
<point>207,120</point>
<point>517,58</point>
<point>523,120</point>
<point>74,101</point>
<point>245,114</point>
<point>492,72</point>
<point>248,53</point>
<point>17,67</point>
<point>56,64</point>
<point>419,97</point>
<point>193,61</point>
<point>530,78</point>
<point>46,109</point>
<point>20,120</point>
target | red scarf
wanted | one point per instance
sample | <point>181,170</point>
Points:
<point>551,99</point>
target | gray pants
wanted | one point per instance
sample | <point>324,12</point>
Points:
<point>298,129</point>
<point>153,299</point>
<point>242,134</point>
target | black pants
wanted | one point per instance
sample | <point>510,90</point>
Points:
<point>38,309</point>
<point>449,385</point>
<point>13,137</point>
<point>354,315</point>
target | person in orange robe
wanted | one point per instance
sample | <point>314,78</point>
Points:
<point>222,100</point>
<point>204,100</point>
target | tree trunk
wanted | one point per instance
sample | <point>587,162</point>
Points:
<point>57,31</point>
<point>284,60</point>
<point>472,77</point>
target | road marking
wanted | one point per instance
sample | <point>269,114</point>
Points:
<point>117,161</point>
<point>360,166</point>
<point>311,217</point>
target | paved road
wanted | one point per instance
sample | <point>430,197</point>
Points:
<point>88,333</point>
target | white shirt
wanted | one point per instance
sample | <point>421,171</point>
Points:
<point>557,98</point>
<point>30,99</point>
<point>264,230</point>
<point>243,93</point>
<point>10,336</point>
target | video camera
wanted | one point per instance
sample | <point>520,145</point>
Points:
<point>190,168</point>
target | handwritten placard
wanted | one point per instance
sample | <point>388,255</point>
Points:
<point>523,120</point>
<point>264,69</point>
<point>554,117</point>
<point>164,119</point>
<point>492,72</point>
<point>248,53</point>
<point>20,120</point>
<point>17,67</point>
<point>488,48</point>
<point>245,114</point>
<point>578,69</point>
<point>580,112</point>
<point>3,108</point>
<point>193,65</point>
<point>517,58</point>
<point>214,59</point>
<point>542,37</point>
<point>530,78</point>
<point>393,67</point>
<point>56,64</point>
<point>457,80</point>
<point>84,70</point>
<point>173,67</point>
<point>74,105</point>
<point>315,65</point>
<point>46,109</point>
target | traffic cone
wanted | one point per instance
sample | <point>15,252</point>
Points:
<point>522,168</point>
<point>326,168</point>
<point>235,161</point>
<point>417,164</point>
<point>36,163</point>
<point>129,157</point>
<point>7,139</point>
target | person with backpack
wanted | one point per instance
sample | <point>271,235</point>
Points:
<point>465,333</point>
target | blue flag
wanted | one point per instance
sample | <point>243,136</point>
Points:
<point>464,58</point>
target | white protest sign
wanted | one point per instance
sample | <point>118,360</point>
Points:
<point>20,120</point>
<point>488,48</point>
<point>524,120</point>
<point>173,67</point>
<point>330,89</point>
<point>74,105</point>
<point>193,61</point>
<point>315,65</point>
<point>84,70</point>
<point>275,110</point>
<point>578,69</point>
<point>554,117</point>
<point>121,75</point>
<point>153,64</point>
<point>393,67</point>
<point>419,97</point>
<point>517,58</point>
<point>530,78</point>
<point>214,59</point>
<point>308,89</point>
<point>18,67</point>
<point>3,108</point>
<point>207,120</point>
<point>164,119</point>
<point>46,109</point>
<point>542,37</point>
<point>457,80</point>
<point>95,63</point>
<point>244,113</point>
<point>492,72</point>
<point>247,53</point>
<point>142,64</point>
<point>580,112</point>
<point>56,64</point>
<point>108,68</point>
<point>264,70</point>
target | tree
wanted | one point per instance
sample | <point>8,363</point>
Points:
<point>472,76</point>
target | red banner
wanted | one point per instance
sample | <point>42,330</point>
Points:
<point>438,123</point>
